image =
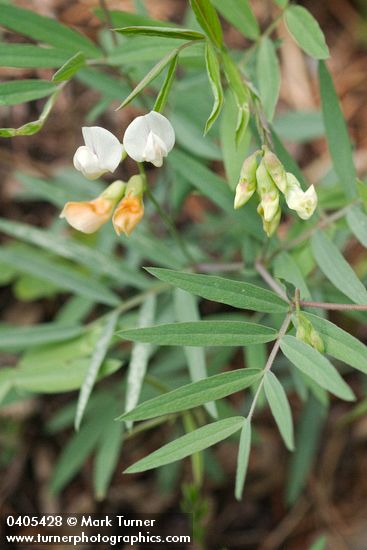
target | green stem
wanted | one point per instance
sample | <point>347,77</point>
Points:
<point>333,306</point>
<point>270,281</point>
<point>196,458</point>
<point>283,329</point>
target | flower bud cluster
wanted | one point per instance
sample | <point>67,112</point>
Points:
<point>306,333</point>
<point>263,172</point>
<point>123,202</point>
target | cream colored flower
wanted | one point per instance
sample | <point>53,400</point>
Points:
<point>303,202</point>
<point>149,138</point>
<point>101,153</point>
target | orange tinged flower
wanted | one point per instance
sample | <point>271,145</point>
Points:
<point>128,214</point>
<point>89,216</point>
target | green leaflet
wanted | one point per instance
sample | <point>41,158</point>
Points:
<point>306,32</point>
<point>186,309</point>
<point>279,407</point>
<point>20,91</point>
<point>165,32</point>
<point>20,337</point>
<point>96,361</point>
<point>62,276</point>
<point>139,356</point>
<point>167,85</point>
<point>45,29</point>
<point>194,394</point>
<point>285,267</point>
<point>208,20</point>
<point>7,375</point>
<point>243,457</point>
<point>69,68</point>
<point>27,55</point>
<point>233,155</point>
<point>35,126</point>
<point>96,260</point>
<point>268,76</point>
<point>120,18</point>
<point>150,76</point>
<point>357,221</point>
<point>339,343</point>
<point>206,181</point>
<point>107,456</point>
<point>239,14</point>
<point>316,366</point>
<point>335,268</point>
<point>188,444</point>
<point>59,377</point>
<point>213,71</point>
<point>241,94</point>
<point>226,291</point>
<point>80,445</point>
<point>202,333</point>
<point>337,133</point>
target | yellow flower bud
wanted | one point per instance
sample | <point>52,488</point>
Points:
<point>89,216</point>
<point>316,341</point>
<point>128,214</point>
<point>275,169</point>
<point>247,184</point>
<point>244,192</point>
<point>270,227</point>
<point>130,210</point>
<point>268,192</point>
<point>304,328</point>
<point>301,333</point>
<point>306,333</point>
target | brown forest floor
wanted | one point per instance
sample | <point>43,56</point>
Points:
<point>335,501</point>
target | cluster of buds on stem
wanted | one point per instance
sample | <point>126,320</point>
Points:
<point>306,333</point>
<point>263,172</point>
<point>148,138</point>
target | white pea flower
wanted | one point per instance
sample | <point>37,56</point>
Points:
<point>149,138</point>
<point>101,153</point>
<point>303,202</point>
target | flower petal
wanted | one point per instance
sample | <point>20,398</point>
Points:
<point>87,162</point>
<point>161,127</point>
<point>149,138</point>
<point>104,145</point>
<point>136,137</point>
<point>87,216</point>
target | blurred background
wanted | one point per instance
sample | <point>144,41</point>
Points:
<point>36,430</point>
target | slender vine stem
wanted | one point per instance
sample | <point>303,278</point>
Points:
<point>269,363</point>
<point>331,305</point>
<point>270,281</point>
